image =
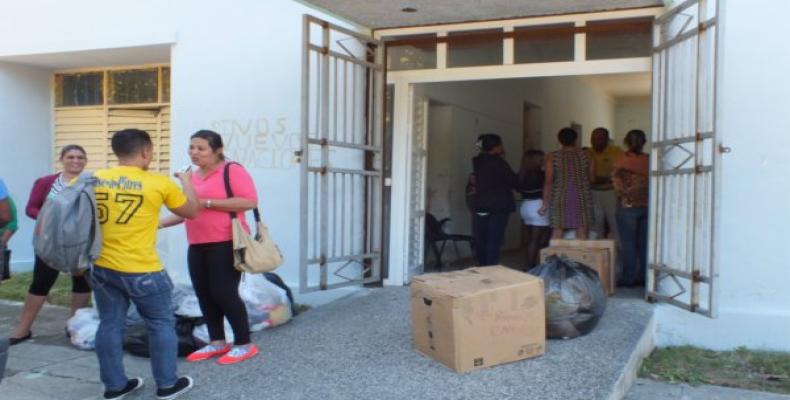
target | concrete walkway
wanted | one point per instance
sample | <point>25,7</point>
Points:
<point>356,347</point>
<point>645,389</point>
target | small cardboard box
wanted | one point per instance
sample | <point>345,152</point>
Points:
<point>478,317</point>
<point>595,258</point>
<point>607,244</point>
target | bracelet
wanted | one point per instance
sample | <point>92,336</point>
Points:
<point>208,203</point>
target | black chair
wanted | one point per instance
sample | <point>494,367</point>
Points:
<point>436,239</point>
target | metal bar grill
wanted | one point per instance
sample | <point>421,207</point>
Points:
<point>341,157</point>
<point>684,154</point>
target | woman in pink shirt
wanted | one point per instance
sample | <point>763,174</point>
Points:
<point>210,254</point>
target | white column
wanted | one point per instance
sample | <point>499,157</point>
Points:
<point>399,204</point>
<point>580,43</point>
<point>441,52</point>
<point>509,48</point>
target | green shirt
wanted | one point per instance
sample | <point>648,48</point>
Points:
<point>12,224</point>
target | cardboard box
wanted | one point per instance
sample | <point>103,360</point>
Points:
<point>478,317</point>
<point>607,244</point>
<point>595,258</point>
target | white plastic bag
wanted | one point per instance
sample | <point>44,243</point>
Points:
<point>82,328</point>
<point>185,301</point>
<point>267,306</point>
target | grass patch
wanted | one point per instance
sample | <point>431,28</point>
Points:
<point>16,289</point>
<point>742,368</point>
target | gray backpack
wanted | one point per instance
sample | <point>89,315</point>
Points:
<point>67,236</point>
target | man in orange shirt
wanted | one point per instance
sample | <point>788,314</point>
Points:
<point>128,270</point>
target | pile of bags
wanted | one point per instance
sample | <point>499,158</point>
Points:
<point>268,300</point>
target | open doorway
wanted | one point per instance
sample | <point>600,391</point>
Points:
<point>527,113</point>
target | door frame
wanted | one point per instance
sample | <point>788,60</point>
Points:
<point>404,89</point>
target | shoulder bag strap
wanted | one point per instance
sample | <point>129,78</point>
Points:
<point>229,192</point>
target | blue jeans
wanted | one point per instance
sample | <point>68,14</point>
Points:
<point>151,294</point>
<point>489,236</point>
<point>632,230</point>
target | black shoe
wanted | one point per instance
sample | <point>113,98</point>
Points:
<point>131,385</point>
<point>183,384</point>
<point>12,341</point>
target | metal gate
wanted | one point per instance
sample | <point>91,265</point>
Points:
<point>341,157</point>
<point>685,157</point>
<point>418,171</point>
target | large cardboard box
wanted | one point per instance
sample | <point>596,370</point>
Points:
<point>478,317</point>
<point>595,258</point>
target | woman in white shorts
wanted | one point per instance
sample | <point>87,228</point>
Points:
<point>537,230</point>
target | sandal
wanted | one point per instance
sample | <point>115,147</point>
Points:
<point>12,341</point>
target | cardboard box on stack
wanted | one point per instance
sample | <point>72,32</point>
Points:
<point>478,317</point>
<point>599,255</point>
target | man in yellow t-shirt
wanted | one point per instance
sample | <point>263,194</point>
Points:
<point>128,202</point>
<point>603,153</point>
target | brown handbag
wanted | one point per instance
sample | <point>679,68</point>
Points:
<point>253,254</point>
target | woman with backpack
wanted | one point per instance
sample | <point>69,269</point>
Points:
<point>73,158</point>
<point>210,255</point>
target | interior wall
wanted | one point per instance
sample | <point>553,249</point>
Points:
<point>465,111</point>
<point>26,131</point>
<point>462,111</point>
<point>631,113</point>
<point>571,99</point>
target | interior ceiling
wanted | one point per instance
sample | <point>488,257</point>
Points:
<point>96,58</point>
<point>377,14</point>
<point>622,85</point>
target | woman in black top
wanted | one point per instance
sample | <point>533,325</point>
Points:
<point>536,227</point>
<point>493,198</point>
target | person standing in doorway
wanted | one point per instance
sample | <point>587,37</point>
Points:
<point>566,194</point>
<point>631,182</point>
<point>128,270</point>
<point>604,200</point>
<point>210,255</point>
<point>495,181</point>
<point>537,231</point>
<point>73,159</point>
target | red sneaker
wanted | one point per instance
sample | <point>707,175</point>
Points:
<point>238,354</point>
<point>208,351</point>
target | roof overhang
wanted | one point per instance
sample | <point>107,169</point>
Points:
<point>380,14</point>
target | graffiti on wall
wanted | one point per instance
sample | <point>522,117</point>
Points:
<point>259,143</point>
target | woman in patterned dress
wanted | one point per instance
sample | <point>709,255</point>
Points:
<point>566,195</point>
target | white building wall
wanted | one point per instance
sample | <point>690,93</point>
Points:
<point>236,69</point>
<point>26,150</point>
<point>753,213</point>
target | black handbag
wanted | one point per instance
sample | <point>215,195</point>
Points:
<point>5,270</point>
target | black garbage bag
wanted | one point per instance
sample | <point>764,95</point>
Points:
<point>136,339</point>
<point>575,300</point>
<point>275,279</point>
